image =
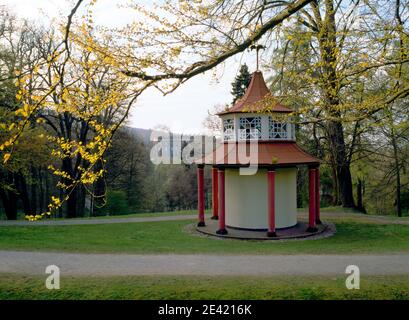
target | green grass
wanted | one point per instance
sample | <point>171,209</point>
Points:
<point>138,215</point>
<point>189,287</point>
<point>174,237</point>
<point>329,210</point>
<point>336,209</point>
<point>131,215</point>
<point>151,214</point>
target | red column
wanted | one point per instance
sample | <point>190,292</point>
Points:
<point>200,195</point>
<point>215,191</point>
<point>222,206</point>
<point>312,198</point>
<point>317,194</point>
<point>271,203</point>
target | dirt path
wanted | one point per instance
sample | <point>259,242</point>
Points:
<point>170,264</point>
<point>325,215</point>
<point>209,265</point>
<point>72,222</point>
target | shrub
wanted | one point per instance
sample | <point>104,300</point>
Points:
<point>117,203</point>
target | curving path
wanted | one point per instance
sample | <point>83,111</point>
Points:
<point>72,222</point>
<point>89,221</point>
<point>209,265</point>
<point>200,264</point>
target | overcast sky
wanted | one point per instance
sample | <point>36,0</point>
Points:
<point>182,111</point>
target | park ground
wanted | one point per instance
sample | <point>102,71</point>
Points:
<point>356,235</point>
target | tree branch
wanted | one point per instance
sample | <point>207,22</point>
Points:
<point>69,23</point>
<point>202,66</point>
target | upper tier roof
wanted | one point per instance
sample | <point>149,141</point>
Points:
<point>268,154</point>
<point>257,91</point>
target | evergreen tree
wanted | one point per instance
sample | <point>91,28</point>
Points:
<point>240,83</point>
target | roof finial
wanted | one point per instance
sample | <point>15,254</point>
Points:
<point>257,47</point>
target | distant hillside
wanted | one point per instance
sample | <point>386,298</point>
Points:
<point>144,134</point>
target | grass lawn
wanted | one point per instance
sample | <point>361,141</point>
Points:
<point>174,237</point>
<point>132,215</point>
<point>332,210</point>
<point>184,287</point>
<point>145,215</point>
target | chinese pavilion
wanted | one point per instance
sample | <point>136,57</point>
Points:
<point>267,200</point>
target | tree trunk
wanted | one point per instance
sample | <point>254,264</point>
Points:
<point>33,188</point>
<point>9,200</point>
<point>403,55</point>
<point>47,192</point>
<point>330,86</point>
<point>99,196</point>
<point>72,203</point>
<point>341,162</point>
<point>359,196</point>
<point>60,209</point>
<point>41,196</point>
<point>398,196</point>
<point>23,192</point>
<point>345,184</point>
<point>397,169</point>
<point>335,188</point>
<point>81,194</point>
<point>130,179</point>
<point>70,192</point>
<point>8,196</point>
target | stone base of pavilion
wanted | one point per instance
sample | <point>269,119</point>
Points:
<point>299,231</point>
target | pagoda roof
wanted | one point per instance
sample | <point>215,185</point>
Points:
<point>280,154</point>
<point>252,100</point>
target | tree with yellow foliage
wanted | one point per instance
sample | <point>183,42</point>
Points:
<point>81,97</point>
<point>171,42</point>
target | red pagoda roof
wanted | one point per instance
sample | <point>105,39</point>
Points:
<point>257,91</point>
<point>269,154</point>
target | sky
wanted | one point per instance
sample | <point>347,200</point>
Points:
<point>182,111</point>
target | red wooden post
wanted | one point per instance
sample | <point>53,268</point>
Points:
<point>312,198</point>
<point>271,203</point>
<point>222,205</point>
<point>317,193</point>
<point>215,191</point>
<point>200,195</point>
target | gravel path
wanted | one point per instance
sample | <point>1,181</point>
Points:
<point>66,222</point>
<point>170,264</point>
<point>209,265</point>
<point>325,215</point>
